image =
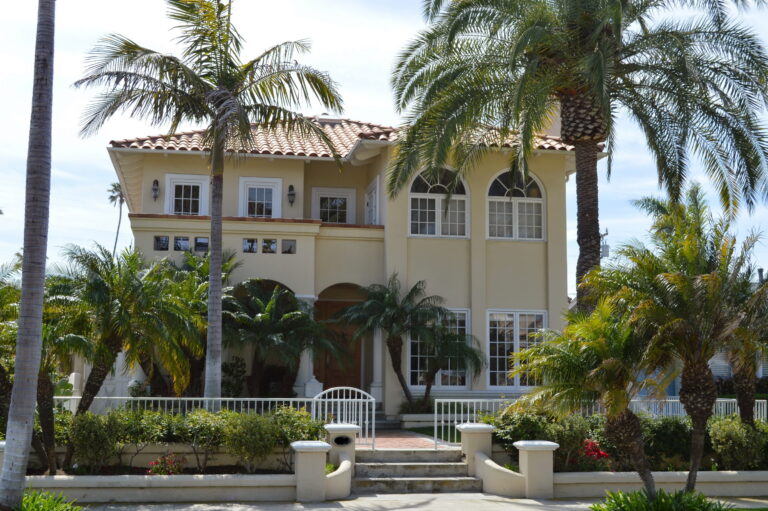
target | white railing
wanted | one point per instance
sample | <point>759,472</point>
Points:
<point>449,413</point>
<point>348,405</point>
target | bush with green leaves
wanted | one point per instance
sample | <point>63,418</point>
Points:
<point>676,501</point>
<point>294,425</point>
<point>44,501</point>
<point>203,431</point>
<point>250,437</point>
<point>667,441</point>
<point>95,440</point>
<point>137,429</point>
<point>232,377</point>
<point>511,427</point>
<point>569,434</point>
<point>736,446</point>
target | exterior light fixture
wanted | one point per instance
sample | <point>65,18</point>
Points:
<point>155,189</point>
<point>291,194</point>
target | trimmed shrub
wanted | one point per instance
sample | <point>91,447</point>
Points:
<point>667,441</point>
<point>203,431</point>
<point>293,425</point>
<point>43,501</point>
<point>677,501</point>
<point>736,446</point>
<point>250,437</point>
<point>511,427</point>
<point>570,433</point>
<point>137,429</point>
<point>95,440</point>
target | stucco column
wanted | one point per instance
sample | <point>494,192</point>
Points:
<point>377,378</point>
<point>475,438</point>
<point>342,438</point>
<point>310,470</point>
<point>306,384</point>
<point>536,465</point>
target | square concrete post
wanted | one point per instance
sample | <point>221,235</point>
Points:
<point>310,470</point>
<point>342,440</point>
<point>536,465</point>
<point>475,438</point>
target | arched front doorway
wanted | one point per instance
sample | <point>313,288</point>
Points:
<point>349,370</point>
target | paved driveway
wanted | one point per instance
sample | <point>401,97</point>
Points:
<point>415,502</point>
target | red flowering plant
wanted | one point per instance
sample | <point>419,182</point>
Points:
<point>593,458</point>
<point>166,465</point>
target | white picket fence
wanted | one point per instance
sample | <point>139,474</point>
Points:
<point>338,405</point>
<point>451,412</point>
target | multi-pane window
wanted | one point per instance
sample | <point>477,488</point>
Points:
<point>250,245</point>
<point>455,375</point>
<point>186,199</point>
<point>260,201</point>
<point>438,205</point>
<point>333,210</point>
<point>181,243</point>
<point>515,208</point>
<point>508,333</point>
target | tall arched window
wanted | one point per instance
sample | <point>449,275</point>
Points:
<point>433,213</point>
<point>515,208</point>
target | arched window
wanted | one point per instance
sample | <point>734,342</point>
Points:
<point>515,208</point>
<point>433,213</point>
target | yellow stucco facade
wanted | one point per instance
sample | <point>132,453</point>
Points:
<point>475,274</point>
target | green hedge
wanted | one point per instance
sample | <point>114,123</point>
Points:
<point>100,441</point>
<point>731,445</point>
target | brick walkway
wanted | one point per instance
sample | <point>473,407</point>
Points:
<point>401,439</point>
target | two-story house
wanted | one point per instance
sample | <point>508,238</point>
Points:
<point>496,251</point>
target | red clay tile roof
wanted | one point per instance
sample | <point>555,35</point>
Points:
<point>344,133</point>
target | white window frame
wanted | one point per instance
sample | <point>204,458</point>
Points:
<point>347,193</point>
<point>201,180</point>
<point>261,182</point>
<point>440,199</point>
<point>373,191</point>
<point>515,211</point>
<point>487,345</point>
<point>437,385</point>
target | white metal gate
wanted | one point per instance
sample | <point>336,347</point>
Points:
<point>348,405</point>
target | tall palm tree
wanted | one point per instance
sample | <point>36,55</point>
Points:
<point>678,292</point>
<point>399,314</point>
<point>38,187</point>
<point>273,322</point>
<point>487,70</point>
<point>209,84</point>
<point>116,197</point>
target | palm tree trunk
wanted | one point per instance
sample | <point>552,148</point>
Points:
<point>257,371</point>
<point>626,433</point>
<point>428,387</point>
<point>38,191</point>
<point>698,394</point>
<point>744,383</point>
<point>587,216</point>
<point>119,221</point>
<point>213,353</point>
<point>395,347</point>
<point>45,413</point>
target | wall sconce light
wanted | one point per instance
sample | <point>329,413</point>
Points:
<point>155,189</point>
<point>291,194</point>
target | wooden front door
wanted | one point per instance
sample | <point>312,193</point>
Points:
<point>344,372</point>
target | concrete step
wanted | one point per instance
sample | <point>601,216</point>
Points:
<point>416,484</point>
<point>411,469</point>
<point>408,455</point>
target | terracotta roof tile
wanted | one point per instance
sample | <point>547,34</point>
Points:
<point>344,133</point>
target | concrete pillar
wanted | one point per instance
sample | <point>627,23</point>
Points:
<point>475,438</point>
<point>377,378</point>
<point>309,467</point>
<point>306,384</point>
<point>536,465</point>
<point>342,438</point>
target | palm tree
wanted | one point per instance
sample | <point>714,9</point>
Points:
<point>116,196</point>
<point>596,358</point>
<point>30,324</point>
<point>679,294</point>
<point>209,84</point>
<point>273,322</point>
<point>398,314</point>
<point>486,70</point>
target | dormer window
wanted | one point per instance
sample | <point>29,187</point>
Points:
<point>438,206</point>
<point>186,194</point>
<point>515,208</point>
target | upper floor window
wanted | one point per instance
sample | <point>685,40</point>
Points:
<point>186,194</point>
<point>261,197</point>
<point>515,208</point>
<point>438,206</point>
<point>334,205</point>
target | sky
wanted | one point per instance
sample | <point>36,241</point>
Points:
<point>355,41</point>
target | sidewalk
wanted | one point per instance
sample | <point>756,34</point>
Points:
<point>416,502</point>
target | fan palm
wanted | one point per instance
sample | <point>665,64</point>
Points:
<point>274,324</point>
<point>486,70</point>
<point>209,84</point>
<point>596,358</point>
<point>116,197</point>
<point>679,294</point>
<point>399,314</point>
